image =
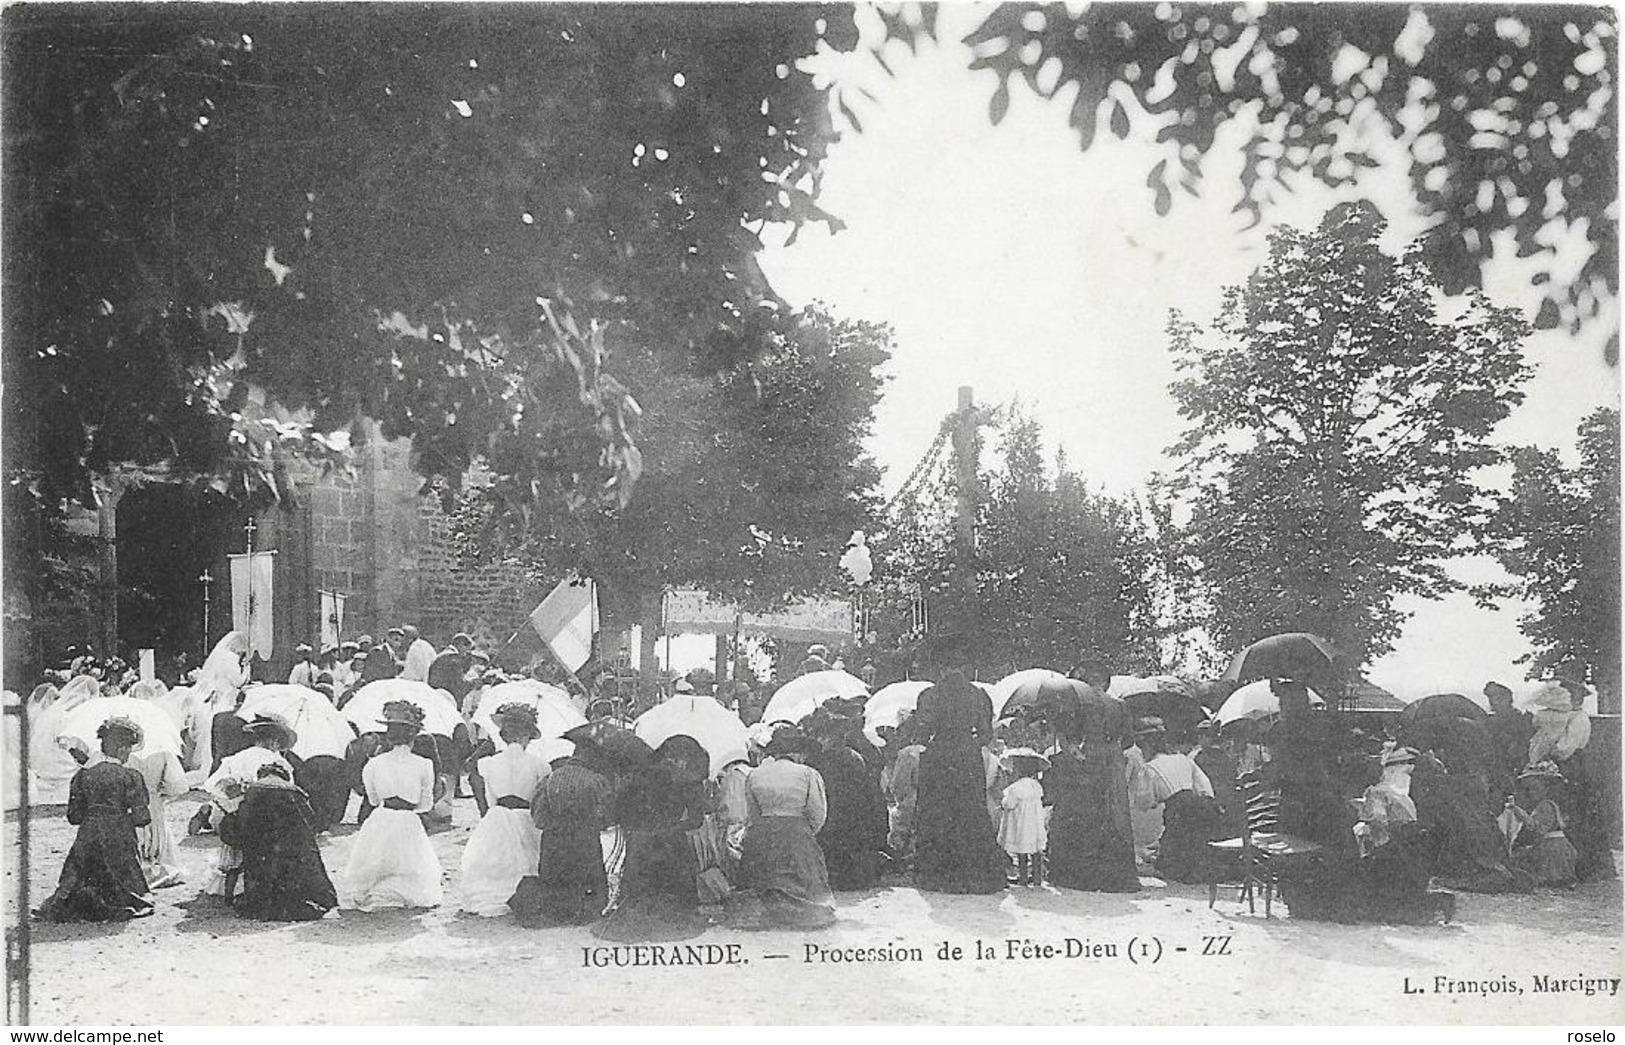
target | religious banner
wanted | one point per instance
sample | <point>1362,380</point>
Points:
<point>251,580</point>
<point>332,610</point>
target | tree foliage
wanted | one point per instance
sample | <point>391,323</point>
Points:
<point>1337,426</point>
<point>754,479</point>
<point>1560,528</point>
<point>1061,573</point>
<point>250,226</point>
<point>1507,114</point>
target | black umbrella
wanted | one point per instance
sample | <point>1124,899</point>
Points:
<point>1297,655</point>
<point>1443,705</point>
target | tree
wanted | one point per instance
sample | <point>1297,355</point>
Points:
<point>1560,532</point>
<point>250,227</point>
<point>1337,423</point>
<point>753,480</point>
<point>1061,573</point>
<point>1507,114</point>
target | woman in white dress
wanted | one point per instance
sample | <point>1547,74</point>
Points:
<point>392,864</point>
<point>165,780</point>
<point>219,681</point>
<point>506,846</point>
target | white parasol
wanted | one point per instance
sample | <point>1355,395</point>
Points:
<point>799,697</point>
<point>158,733</point>
<point>556,713</point>
<point>366,708</point>
<point>1255,700</point>
<point>717,729</point>
<point>890,703</point>
<point>322,728</point>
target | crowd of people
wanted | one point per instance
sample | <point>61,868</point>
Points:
<point>1362,822</point>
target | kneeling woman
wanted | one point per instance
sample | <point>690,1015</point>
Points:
<point>781,864</point>
<point>102,880</point>
<point>392,864</point>
<point>505,846</point>
<point>283,876</point>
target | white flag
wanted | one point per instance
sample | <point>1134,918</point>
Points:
<point>567,620</point>
<point>332,610</point>
<point>251,578</point>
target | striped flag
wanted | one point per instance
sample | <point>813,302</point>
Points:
<point>567,620</point>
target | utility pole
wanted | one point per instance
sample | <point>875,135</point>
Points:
<point>965,498</point>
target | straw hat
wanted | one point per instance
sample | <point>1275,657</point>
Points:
<point>120,724</point>
<point>403,713</point>
<point>1399,756</point>
<point>1546,770</point>
<point>270,725</point>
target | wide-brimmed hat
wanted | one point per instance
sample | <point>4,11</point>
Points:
<point>1545,770</point>
<point>1020,757</point>
<point>120,724</point>
<point>789,741</point>
<point>683,686</point>
<point>402,713</point>
<point>1553,696</point>
<point>303,647</point>
<point>273,726</point>
<point>517,716</point>
<point>349,644</point>
<point>619,745</point>
<point>1149,724</point>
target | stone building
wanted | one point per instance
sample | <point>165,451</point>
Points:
<point>373,535</point>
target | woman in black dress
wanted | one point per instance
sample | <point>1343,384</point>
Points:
<point>662,804</point>
<point>574,806</point>
<point>854,835</point>
<point>956,848</point>
<point>283,876</point>
<point>1091,845</point>
<point>101,879</point>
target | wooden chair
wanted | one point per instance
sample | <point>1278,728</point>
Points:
<point>1259,844</point>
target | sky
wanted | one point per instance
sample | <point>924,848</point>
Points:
<point>1009,260</point>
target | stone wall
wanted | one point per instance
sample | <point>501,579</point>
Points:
<point>388,546</point>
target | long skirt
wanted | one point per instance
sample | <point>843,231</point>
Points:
<point>1190,821</point>
<point>570,886</point>
<point>782,869</point>
<point>1389,886</point>
<point>160,861</point>
<point>955,844</point>
<point>659,896</point>
<point>284,879</point>
<point>1087,850</point>
<point>1550,861</point>
<point>504,847</point>
<point>101,879</point>
<point>392,864</point>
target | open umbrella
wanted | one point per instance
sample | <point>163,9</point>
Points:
<point>1443,705</point>
<point>890,703</point>
<point>158,732</point>
<point>798,698</point>
<point>555,712</point>
<point>1024,688</point>
<point>322,728</point>
<point>1255,700</point>
<point>366,708</point>
<point>717,729</point>
<point>1310,659</point>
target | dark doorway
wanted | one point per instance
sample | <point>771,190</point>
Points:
<point>167,537</point>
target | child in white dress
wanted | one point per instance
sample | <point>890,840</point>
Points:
<point>506,845</point>
<point>392,864</point>
<point>1022,829</point>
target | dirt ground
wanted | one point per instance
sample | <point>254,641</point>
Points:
<point>194,962</point>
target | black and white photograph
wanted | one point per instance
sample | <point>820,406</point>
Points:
<point>902,515</point>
